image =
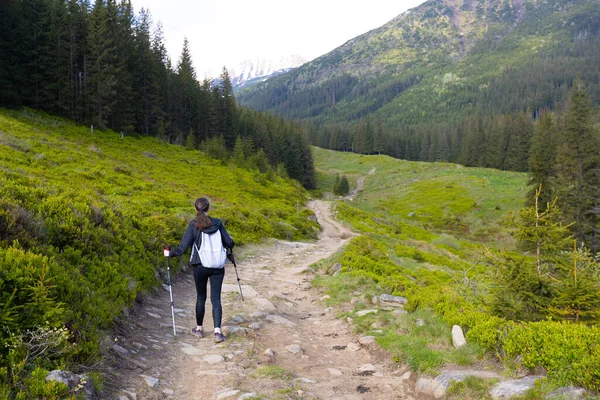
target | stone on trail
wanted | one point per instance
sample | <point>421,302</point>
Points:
<point>255,326</point>
<point>264,304</point>
<point>150,380</point>
<point>191,350</point>
<point>122,351</point>
<point>227,394</point>
<point>458,337</point>
<point>334,372</point>
<point>367,368</point>
<point>153,315</point>
<point>362,313</point>
<point>353,346</point>
<point>247,396</point>
<point>213,359</point>
<point>366,340</point>
<point>294,349</point>
<point>278,319</point>
<point>508,389</point>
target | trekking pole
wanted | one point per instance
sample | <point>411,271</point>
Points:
<point>232,259</point>
<point>167,252</point>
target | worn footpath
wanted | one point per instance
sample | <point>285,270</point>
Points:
<point>283,342</point>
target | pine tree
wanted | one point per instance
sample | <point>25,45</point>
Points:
<point>541,160</point>
<point>227,109</point>
<point>102,59</point>
<point>578,169</point>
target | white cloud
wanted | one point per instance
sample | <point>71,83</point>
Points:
<point>228,32</point>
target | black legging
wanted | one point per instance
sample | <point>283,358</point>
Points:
<point>201,276</point>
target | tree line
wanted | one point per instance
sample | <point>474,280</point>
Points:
<point>106,66</point>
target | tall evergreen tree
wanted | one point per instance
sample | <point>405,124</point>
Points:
<point>578,169</point>
<point>102,60</point>
<point>227,108</point>
<point>541,160</point>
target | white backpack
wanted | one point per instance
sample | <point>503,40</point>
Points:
<point>212,253</point>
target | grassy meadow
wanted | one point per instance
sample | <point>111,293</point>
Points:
<point>83,220</point>
<point>428,232</point>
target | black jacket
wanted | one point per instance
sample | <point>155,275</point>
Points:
<point>193,235</point>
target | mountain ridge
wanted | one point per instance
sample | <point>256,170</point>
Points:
<point>439,53</point>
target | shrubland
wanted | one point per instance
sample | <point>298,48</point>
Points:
<point>458,244</point>
<point>83,220</point>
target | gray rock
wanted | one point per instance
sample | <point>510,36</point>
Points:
<point>362,313</point>
<point>259,314</point>
<point>568,393</point>
<point>367,368</point>
<point>72,380</point>
<point>438,386</point>
<point>325,297</point>
<point>130,394</point>
<point>263,304</point>
<point>388,298</point>
<point>213,359</point>
<point>508,389</point>
<point>227,394</point>
<point>366,340</point>
<point>335,268</point>
<point>120,350</point>
<point>247,396</point>
<point>270,353</point>
<point>420,322</point>
<point>353,347</point>
<point>334,372</point>
<point>307,270</point>
<point>458,337</point>
<point>153,315</point>
<point>278,319</point>
<point>399,312</point>
<point>255,326</point>
<point>150,380</point>
<point>238,319</point>
<point>411,214</point>
<point>294,349</point>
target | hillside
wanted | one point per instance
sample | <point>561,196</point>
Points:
<point>455,242</point>
<point>83,221</point>
<point>444,60</point>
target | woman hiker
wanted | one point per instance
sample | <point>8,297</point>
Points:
<point>193,237</point>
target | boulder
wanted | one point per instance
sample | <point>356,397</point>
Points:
<point>388,298</point>
<point>458,338</point>
<point>514,387</point>
<point>72,381</point>
<point>335,268</point>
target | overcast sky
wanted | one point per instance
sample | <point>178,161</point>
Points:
<point>227,32</point>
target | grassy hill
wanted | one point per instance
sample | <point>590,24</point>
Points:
<point>439,234</point>
<point>83,221</point>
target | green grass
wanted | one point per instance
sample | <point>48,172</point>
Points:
<point>272,372</point>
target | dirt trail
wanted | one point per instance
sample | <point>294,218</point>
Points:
<point>312,353</point>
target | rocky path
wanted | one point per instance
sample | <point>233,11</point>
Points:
<point>283,342</point>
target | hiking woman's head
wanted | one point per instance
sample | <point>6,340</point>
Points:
<point>202,205</point>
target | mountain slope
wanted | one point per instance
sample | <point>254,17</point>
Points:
<point>443,60</point>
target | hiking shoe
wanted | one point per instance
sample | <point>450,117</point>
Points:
<point>197,332</point>
<point>219,337</point>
